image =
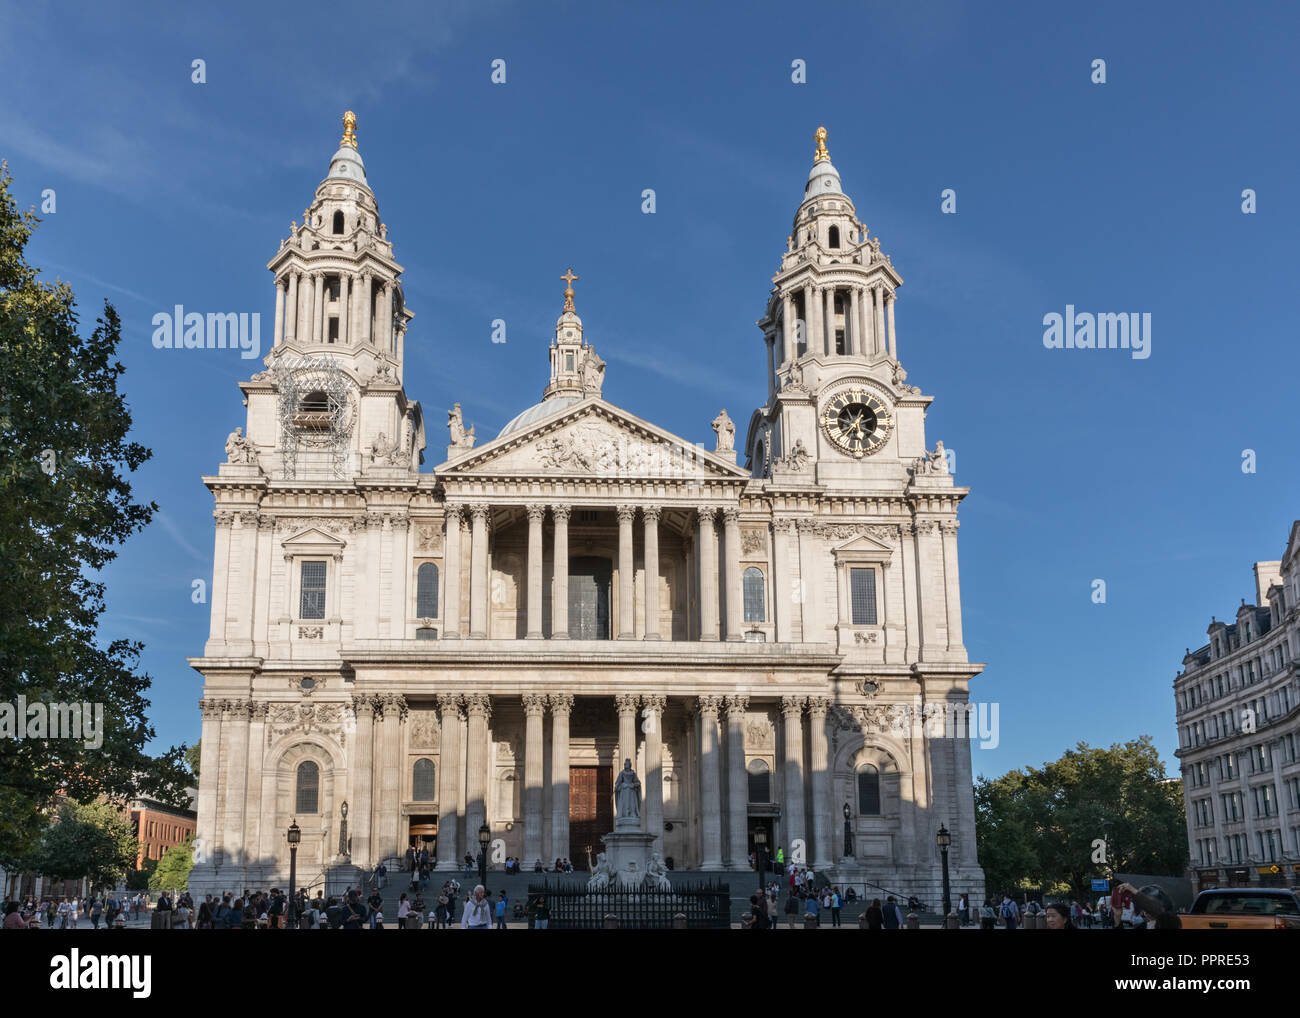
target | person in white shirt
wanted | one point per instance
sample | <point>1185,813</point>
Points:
<point>478,911</point>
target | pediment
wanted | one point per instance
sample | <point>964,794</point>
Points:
<point>593,439</point>
<point>312,539</point>
<point>863,548</point>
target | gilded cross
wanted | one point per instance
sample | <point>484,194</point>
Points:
<point>569,277</point>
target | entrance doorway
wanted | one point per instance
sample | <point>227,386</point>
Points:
<point>423,833</point>
<point>767,826</point>
<point>591,812</point>
<point>590,579</point>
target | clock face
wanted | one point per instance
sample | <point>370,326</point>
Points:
<point>856,421</point>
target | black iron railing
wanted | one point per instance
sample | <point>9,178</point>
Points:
<point>706,906</point>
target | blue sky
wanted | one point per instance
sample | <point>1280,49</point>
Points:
<point>1119,197</point>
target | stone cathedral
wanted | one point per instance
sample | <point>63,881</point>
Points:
<point>402,656</point>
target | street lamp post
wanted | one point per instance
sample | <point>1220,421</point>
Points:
<point>848,832</point>
<point>484,837</point>
<point>760,851</point>
<point>943,839</point>
<point>295,836</point>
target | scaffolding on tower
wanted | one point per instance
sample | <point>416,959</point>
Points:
<point>315,410</point>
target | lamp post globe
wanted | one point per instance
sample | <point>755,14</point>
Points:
<point>294,835</point>
<point>943,839</point>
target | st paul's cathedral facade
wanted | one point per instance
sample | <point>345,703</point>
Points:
<point>766,628</point>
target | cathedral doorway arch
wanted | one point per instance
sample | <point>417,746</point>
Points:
<point>590,579</point>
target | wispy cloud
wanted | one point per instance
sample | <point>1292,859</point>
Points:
<point>175,533</point>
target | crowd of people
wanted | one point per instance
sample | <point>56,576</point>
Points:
<point>108,910</point>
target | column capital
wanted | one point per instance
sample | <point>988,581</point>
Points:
<point>627,702</point>
<point>709,705</point>
<point>210,709</point>
<point>260,710</point>
<point>948,526</point>
<point>478,705</point>
<point>560,512</point>
<point>391,705</point>
<point>731,514</point>
<point>449,704</point>
<point>651,513</point>
<point>626,513</point>
<point>818,706</point>
<point>707,513</point>
<point>363,706</point>
<point>560,703</point>
<point>536,512</point>
<point>656,703</point>
<point>454,511</point>
<point>792,706</point>
<point>736,706</point>
<point>889,296</point>
<point>480,511</point>
<point>534,704</point>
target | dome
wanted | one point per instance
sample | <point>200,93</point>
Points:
<point>823,178</point>
<point>539,411</point>
<point>347,164</point>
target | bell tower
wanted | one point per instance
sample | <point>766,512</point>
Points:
<point>838,406</point>
<point>331,402</point>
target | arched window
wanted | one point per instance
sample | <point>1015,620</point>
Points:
<point>426,591</point>
<point>760,782</point>
<point>426,633</point>
<point>338,224</point>
<point>834,240</point>
<point>868,791</point>
<point>308,798</point>
<point>755,610</point>
<point>423,786</point>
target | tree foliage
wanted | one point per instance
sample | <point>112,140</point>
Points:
<point>95,840</point>
<point>173,870</point>
<point>1043,826</point>
<point>65,507</point>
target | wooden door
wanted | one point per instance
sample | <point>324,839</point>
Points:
<point>591,811</point>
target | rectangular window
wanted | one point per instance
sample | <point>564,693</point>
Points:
<point>312,600</point>
<point>862,596</point>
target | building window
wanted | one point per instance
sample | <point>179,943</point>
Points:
<point>755,610</point>
<point>308,797</point>
<point>568,362</point>
<point>833,240</point>
<point>760,782</point>
<point>426,633</point>
<point>426,595</point>
<point>338,222</point>
<point>868,791</point>
<point>423,786</point>
<point>312,599</point>
<point>862,596</point>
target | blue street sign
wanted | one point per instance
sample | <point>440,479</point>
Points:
<point>1101,885</point>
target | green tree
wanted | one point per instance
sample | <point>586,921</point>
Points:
<point>95,840</point>
<point>138,880</point>
<point>65,505</point>
<point>192,759</point>
<point>173,870</point>
<point>1047,826</point>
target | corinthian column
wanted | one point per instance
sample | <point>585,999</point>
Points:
<point>853,334</point>
<point>317,307</point>
<point>479,708</point>
<point>560,577</point>
<point>478,572</point>
<point>390,778</point>
<point>534,708</point>
<point>653,712</point>
<point>626,704</point>
<point>561,706</point>
<point>279,312</point>
<point>235,729</point>
<point>451,575</point>
<point>205,842</point>
<point>880,317</point>
<point>792,813</point>
<point>889,306</point>
<point>449,780</point>
<point>735,605</point>
<point>626,574</point>
<point>737,785</point>
<point>367,301</point>
<point>708,573</point>
<point>536,513</point>
<point>344,306</point>
<point>362,775</point>
<point>710,793</point>
<point>291,310</point>
<point>650,517</point>
<point>821,783</point>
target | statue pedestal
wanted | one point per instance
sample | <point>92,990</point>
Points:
<point>628,854</point>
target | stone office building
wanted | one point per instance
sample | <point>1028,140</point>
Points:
<point>1238,708</point>
<point>428,652</point>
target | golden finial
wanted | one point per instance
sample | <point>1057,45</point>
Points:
<point>349,129</point>
<point>569,277</point>
<point>821,155</point>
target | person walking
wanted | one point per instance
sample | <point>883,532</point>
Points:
<point>811,908</point>
<point>376,902</point>
<point>403,910</point>
<point>1010,912</point>
<point>502,902</point>
<point>988,916</point>
<point>963,910</point>
<point>477,914</point>
<point>893,918</point>
<point>875,915</point>
<point>96,912</point>
<point>836,904</point>
<point>541,913</point>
